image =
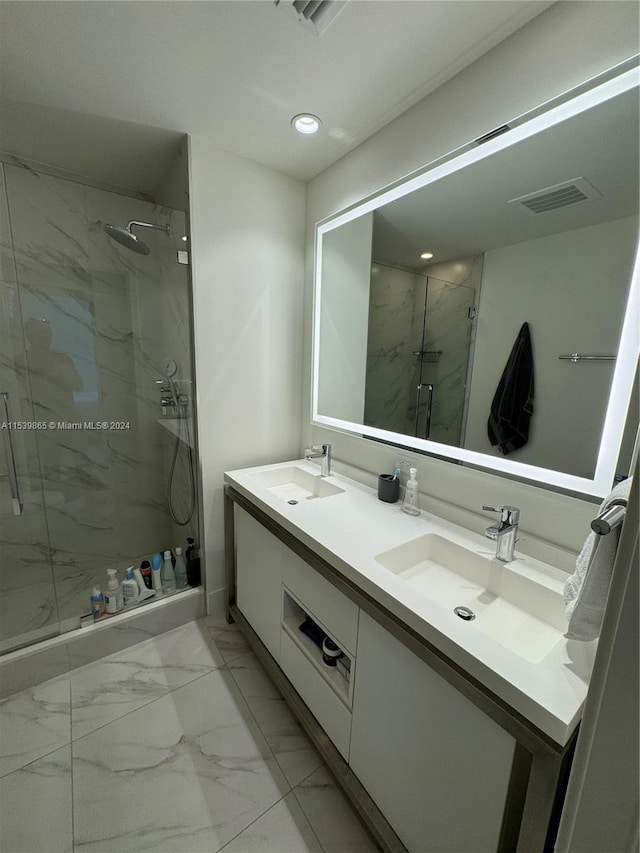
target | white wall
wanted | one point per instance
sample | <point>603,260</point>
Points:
<point>541,282</point>
<point>565,45</point>
<point>247,235</point>
<point>346,278</point>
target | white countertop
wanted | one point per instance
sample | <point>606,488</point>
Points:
<point>348,530</point>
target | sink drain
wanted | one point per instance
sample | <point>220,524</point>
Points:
<point>292,502</point>
<point>464,613</point>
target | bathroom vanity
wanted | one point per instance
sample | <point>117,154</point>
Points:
<point>447,733</point>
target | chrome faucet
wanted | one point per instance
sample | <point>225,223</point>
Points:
<point>505,533</point>
<point>322,452</point>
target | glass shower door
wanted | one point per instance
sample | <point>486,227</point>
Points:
<point>28,605</point>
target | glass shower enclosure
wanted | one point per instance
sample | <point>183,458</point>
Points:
<point>95,435</point>
<point>418,347</point>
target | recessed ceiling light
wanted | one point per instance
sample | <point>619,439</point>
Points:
<point>426,256</point>
<point>306,123</point>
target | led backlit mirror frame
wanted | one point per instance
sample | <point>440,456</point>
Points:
<point>628,351</point>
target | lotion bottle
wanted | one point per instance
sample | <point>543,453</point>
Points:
<point>97,603</point>
<point>156,571</point>
<point>130,591</point>
<point>167,574</point>
<point>180,569</point>
<point>410,502</point>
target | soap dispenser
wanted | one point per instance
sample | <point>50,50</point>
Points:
<point>410,502</point>
<point>130,590</point>
<point>113,599</point>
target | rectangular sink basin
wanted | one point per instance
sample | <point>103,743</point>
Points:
<point>524,616</point>
<point>291,483</point>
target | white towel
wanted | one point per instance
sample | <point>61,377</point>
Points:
<point>586,591</point>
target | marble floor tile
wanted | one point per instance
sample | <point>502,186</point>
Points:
<point>35,806</point>
<point>331,816</point>
<point>33,723</point>
<point>283,829</point>
<point>294,752</point>
<point>188,772</point>
<point>227,638</point>
<point>115,685</point>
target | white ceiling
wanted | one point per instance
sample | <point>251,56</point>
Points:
<point>231,71</point>
<point>468,212</point>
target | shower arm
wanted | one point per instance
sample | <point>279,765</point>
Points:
<point>165,228</point>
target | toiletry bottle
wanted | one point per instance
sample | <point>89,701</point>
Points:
<point>410,502</point>
<point>130,591</point>
<point>167,574</point>
<point>143,590</point>
<point>113,600</point>
<point>193,562</point>
<point>97,603</point>
<point>156,571</point>
<point>145,571</point>
<point>180,569</point>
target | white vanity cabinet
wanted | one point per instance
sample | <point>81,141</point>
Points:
<point>275,591</point>
<point>433,760</point>
<point>259,579</point>
<point>436,766</point>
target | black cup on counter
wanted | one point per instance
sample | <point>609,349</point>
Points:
<point>388,488</point>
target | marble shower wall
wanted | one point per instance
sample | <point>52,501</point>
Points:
<point>96,498</point>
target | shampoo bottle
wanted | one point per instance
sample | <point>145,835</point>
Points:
<point>167,574</point>
<point>130,591</point>
<point>410,502</point>
<point>113,600</point>
<point>145,571</point>
<point>156,571</point>
<point>97,603</point>
<point>180,569</point>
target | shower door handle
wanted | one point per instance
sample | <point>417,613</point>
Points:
<point>427,426</point>
<point>12,471</point>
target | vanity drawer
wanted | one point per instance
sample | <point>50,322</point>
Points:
<point>337,614</point>
<point>323,703</point>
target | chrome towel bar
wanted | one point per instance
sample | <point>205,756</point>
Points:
<point>576,357</point>
<point>610,518</point>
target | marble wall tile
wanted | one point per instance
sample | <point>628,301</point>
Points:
<point>330,814</point>
<point>27,613</point>
<point>284,828</point>
<point>34,722</point>
<point>24,668</point>
<point>122,682</point>
<point>49,226</point>
<point>7,262</point>
<point>35,806</point>
<point>142,624</point>
<point>293,750</point>
<point>187,772</point>
<point>116,316</point>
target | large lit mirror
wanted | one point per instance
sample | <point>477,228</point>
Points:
<point>514,347</point>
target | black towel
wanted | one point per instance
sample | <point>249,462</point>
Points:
<point>512,406</point>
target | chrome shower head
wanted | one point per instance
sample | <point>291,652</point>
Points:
<point>127,238</point>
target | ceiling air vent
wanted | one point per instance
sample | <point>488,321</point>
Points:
<point>555,197</point>
<point>314,15</point>
<point>497,131</point>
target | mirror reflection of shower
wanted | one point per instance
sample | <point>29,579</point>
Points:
<point>126,237</point>
<point>176,403</point>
